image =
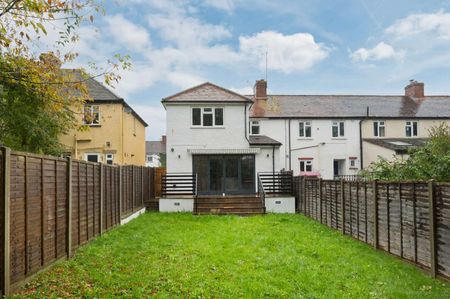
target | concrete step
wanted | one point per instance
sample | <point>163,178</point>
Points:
<point>230,210</point>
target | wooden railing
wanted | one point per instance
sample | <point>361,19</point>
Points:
<point>275,183</point>
<point>179,184</point>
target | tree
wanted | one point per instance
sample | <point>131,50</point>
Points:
<point>37,97</point>
<point>431,161</point>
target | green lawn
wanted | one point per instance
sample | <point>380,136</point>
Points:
<point>277,256</point>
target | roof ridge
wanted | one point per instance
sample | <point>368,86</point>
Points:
<point>205,84</point>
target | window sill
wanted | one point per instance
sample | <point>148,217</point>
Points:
<point>213,127</point>
<point>305,138</point>
<point>338,138</point>
<point>92,125</point>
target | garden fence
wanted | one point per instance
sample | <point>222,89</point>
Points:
<point>410,220</point>
<point>50,206</point>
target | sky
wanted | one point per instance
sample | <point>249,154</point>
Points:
<point>312,47</point>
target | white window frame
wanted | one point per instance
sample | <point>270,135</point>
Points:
<point>352,163</point>
<point>306,124</point>
<point>212,112</point>
<point>109,157</point>
<point>378,124</point>
<point>91,111</point>
<point>337,123</point>
<point>306,163</point>
<point>92,154</point>
<point>410,124</point>
<point>255,124</point>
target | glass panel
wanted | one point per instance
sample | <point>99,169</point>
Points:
<point>231,174</point>
<point>218,116</point>
<point>248,173</point>
<point>335,131</point>
<point>375,129</point>
<point>207,120</point>
<point>215,174</point>
<point>308,131</point>
<point>414,129</point>
<point>382,131</point>
<point>196,113</point>
<point>408,131</point>
<point>301,129</point>
<point>92,158</point>
<point>341,127</point>
<point>201,168</point>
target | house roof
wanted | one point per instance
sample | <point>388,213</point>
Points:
<point>353,106</point>
<point>262,140</point>
<point>399,145</point>
<point>155,147</point>
<point>102,94</point>
<point>207,93</point>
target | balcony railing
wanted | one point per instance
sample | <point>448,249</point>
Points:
<point>179,184</point>
<point>276,183</point>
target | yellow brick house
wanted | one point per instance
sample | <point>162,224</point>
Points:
<point>115,133</point>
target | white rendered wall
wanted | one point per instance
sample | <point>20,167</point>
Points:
<point>280,205</point>
<point>176,205</point>
<point>322,147</point>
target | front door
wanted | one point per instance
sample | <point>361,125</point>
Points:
<point>225,174</point>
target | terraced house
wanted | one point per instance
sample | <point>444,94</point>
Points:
<point>115,133</point>
<point>230,142</point>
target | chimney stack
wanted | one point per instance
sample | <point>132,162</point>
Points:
<point>415,89</point>
<point>260,89</point>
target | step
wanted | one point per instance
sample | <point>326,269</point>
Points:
<point>232,210</point>
<point>228,199</point>
<point>228,206</point>
<point>234,213</point>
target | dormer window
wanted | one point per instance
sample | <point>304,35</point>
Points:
<point>207,117</point>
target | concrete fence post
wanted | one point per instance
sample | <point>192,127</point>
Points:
<point>432,221</point>
<point>5,194</point>
<point>69,206</point>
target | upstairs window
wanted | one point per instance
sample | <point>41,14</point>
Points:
<point>379,129</point>
<point>254,128</point>
<point>411,129</point>
<point>304,129</point>
<point>91,115</point>
<point>338,129</point>
<point>207,117</point>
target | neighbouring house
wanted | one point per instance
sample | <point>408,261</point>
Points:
<point>155,153</point>
<point>395,124</point>
<point>336,135</point>
<point>115,133</point>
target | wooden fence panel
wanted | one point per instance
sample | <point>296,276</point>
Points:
<point>443,228</point>
<point>402,214</point>
<point>38,202</point>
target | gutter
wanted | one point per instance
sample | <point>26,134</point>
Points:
<point>245,125</point>
<point>360,145</point>
<point>290,149</point>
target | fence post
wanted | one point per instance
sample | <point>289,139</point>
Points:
<point>120,191</point>
<point>5,167</point>
<point>343,205</point>
<point>320,199</point>
<point>69,206</point>
<point>432,219</point>
<point>142,186</point>
<point>102,198</point>
<point>375,213</point>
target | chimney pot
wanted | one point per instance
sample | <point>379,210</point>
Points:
<point>415,89</point>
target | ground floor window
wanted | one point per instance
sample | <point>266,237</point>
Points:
<point>92,157</point>
<point>109,159</point>
<point>229,174</point>
<point>306,165</point>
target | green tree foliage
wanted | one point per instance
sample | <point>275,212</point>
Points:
<point>37,98</point>
<point>431,161</point>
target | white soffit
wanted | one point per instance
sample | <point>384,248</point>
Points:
<point>229,151</point>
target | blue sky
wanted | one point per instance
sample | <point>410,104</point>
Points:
<point>314,47</point>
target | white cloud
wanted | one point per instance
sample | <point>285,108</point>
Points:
<point>246,90</point>
<point>128,34</point>
<point>433,23</point>
<point>226,5</point>
<point>186,31</point>
<point>382,51</point>
<point>184,80</point>
<point>286,53</point>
